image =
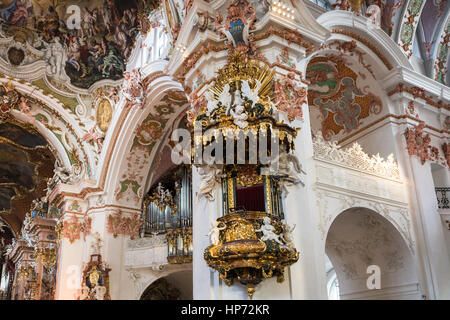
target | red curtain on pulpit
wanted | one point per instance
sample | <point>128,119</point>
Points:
<point>250,198</point>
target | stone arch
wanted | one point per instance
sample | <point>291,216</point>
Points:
<point>356,26</point>
<point>360,238</point>
<point>175,280</point>
<point>123,145</point>
<point>54,109</point>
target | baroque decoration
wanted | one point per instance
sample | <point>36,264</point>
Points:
<point>419,144</point>
<point>147,136</point>
<point>250,247</point>
<point>95,282</point>
<point>409,25</point>
<point>74,226</point>
<point>129,226</point>
<point>355,158</point>
<point>333,91</point>
<point>245,99</point>
<point>93,93</point>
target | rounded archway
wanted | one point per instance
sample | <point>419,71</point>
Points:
<point>370,257</point>
<point>175,286</point>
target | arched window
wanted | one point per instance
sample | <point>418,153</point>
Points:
<point>332,280</point>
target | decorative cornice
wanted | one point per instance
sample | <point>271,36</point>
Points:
<point>419,93</point>
<point>367,43</point>
<point>355,158</point>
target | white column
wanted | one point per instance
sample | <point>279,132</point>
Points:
<point>204,212</point>
<point>308,278</point>
<point>432,230</point>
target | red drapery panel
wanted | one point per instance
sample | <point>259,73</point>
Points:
<point>250,198</point>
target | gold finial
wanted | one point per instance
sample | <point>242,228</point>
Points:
<point>250,290</point>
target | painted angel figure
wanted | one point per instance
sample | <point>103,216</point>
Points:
<point>214,234</point>
<point>2,226</point>
<point>267,230</point>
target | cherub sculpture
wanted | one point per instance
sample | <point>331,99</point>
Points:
<point>96,136</point>
<point>225,98</point>
<point>133,89</point>
<point>212,103</point>
<point>286,236</point>
<point>208,175</point>
<point>100,292</point>
<point>240,117</point>
<point>85,291</point>
<point>214,234</point>
<point>267,230</point>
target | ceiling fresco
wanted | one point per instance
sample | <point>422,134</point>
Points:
<point>25,164</point>
<point>335,98</point>
<point>96,50</point>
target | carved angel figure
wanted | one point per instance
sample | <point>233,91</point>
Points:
<point>249,93</point>
<point>290,167</point>
<point>208,175</point>
<point>268,231</point>
<point>215,233</point>
<point>212,102</point>
<point>240,117</point>
<point>133,90</point>
<point>286,236</point>
<point>374,14</point>
<point>94,135</point>
<point>61,174</point>
<point>100,292</point>
<point>225,98</point>
<point>84,292</point>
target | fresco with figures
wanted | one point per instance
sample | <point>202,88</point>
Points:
<point>97,50</point>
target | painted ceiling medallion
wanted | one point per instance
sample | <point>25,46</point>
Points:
<point>16,56</point>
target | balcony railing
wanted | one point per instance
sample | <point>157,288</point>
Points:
<point>442,195</point>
